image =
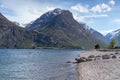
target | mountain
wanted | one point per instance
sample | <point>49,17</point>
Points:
<point>113,35</point>
<point>20,24</point>
<point>64,31</point>
<point>44,19</point>
<point>28,24</point>
<point>94,33</point>
<point>13,36</point>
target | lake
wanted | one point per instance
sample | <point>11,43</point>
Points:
<point>37,64</point>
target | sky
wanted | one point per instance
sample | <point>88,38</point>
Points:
<point>101,15</point>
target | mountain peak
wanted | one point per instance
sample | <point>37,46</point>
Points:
<point>52,13</point>
<point>48,17</point>
<point>57,10</point>
<point>113,35</point>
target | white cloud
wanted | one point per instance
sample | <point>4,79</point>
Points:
<point>37,11</point>
<point>112,2</point>
<point>96,16</point>
<point>80,8</point>
<point>24,11</point>
<point>80,18</point>
<point>101,8</point>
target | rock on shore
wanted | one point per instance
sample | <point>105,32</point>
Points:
<point>102,69</point>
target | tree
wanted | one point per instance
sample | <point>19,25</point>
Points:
<point>112,44</point>
<point>97,46</point>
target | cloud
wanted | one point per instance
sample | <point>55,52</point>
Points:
<point>96,11</point>
<point>40,11</point>
<point>96,16</point>
<point>80,18</point>
<point>80,8</point>
<point>24,12</point>
<point>112,2</point>
<point>116,20</point>
<point>101,8</point>
<point>2,6</point>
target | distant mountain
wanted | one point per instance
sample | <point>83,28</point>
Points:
<point>29,24</point>
<point>113,35</point>
<point>19,24</point>
<point>13,36</point>
<point>64,31</point>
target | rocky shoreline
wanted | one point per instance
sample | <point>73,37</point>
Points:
<point>99,65</point>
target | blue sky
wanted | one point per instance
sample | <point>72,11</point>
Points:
<point>101,15</point>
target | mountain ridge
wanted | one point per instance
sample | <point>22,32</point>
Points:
<point>57,29</point>
<point>13,36</point>
<point>113,35</point>
<point>64,30</point>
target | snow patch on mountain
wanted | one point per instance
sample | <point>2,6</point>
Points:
<point>45,18</point>
<point>113,34</point>
<point>19,24</point>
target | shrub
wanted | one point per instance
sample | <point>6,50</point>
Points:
<point>112,44</point>
<point>97,46</point>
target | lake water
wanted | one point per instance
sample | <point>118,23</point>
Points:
<point>37,64</point>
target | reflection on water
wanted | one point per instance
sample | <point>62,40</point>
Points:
<point>37,64</point>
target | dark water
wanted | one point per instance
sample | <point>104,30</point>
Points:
<point>37,64</point>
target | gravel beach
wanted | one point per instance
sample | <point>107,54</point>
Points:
<point>102,69</point>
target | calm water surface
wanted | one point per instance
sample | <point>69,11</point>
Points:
<point>37,64</point>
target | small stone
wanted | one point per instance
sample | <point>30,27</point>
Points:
<point>89,59</point>
<point>116,53</point>
<point>91,56</point>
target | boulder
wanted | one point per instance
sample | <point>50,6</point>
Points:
<point>91,56</point>
<point>98,57</point>
<point>81,59</point>
<point>105,56</point>
<point>89,59</point>
<point>114,57</point>
<point>116,53</point>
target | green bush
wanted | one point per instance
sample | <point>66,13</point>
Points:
<point>112,44</point>
<point>97,46</point>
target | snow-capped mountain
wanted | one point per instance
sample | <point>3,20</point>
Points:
<point>113,35</point>
<point>19,24</point>
<point>44,19</point>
